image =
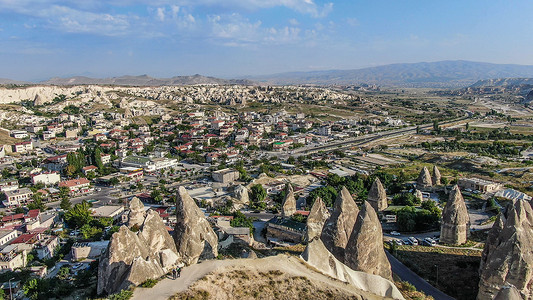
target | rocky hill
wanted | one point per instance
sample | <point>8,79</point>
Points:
<point>442,74</point>
<point>144,80</point>
<point>503,82</point>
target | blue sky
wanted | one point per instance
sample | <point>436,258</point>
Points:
<point>40,39</point>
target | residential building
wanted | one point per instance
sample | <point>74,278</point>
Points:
<point>88,250</point>
<point>77,186</point>
<point>12,258</point>
<point>22,147</point>
<point>149,164</point>
<point>8,185</point>
<point>17,197</point>
<point>225,175</point>
<point>46,246</point>
<point>7,235</point>
<point>46,178</point>
<point>108,211</point>
<point>476,184</point>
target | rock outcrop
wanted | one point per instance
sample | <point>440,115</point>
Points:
<point>508,292</point>
<point>364,251</point>
<point>317,256</point>
<point>136,214</point>
<point>377,196</point>
<point>289,203</point>
<point>455,227</point>
<point>424,180</point>
<point>316,220</point>
<point>509,259</point>
<point>133,257</point>
<point>436,176</point>
<point>195,239</point>
<point>492,238</point>
<point>240,193</point>
<point>340,224</point>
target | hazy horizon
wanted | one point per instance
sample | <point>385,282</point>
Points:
<point>55,38</point>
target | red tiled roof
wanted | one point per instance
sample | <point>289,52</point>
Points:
<point>23,238</point>
<point>74,182</point>
<point>13,217</point>
<point>34,213</point>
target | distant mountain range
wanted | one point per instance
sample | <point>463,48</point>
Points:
<point>144,80</point>
<point>443,74</point>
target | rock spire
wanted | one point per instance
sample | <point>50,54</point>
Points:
<point>424,180</point>
<point>195,239</point>
<point>364,251</point>
<point>316,220</point>
<point>455,227</point>
<point>436,176</point>
<point>509,259</point>
<point>289,203</point>
<point>340,224</point>
<point>377,196</point>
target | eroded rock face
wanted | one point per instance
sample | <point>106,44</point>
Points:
<point>508,292</point>
<point>316,220</point>
<point>424,180</point>
<point>364,251</point>
<point>339,226</point>
<point>289,203</point>
<point>195,239</point>
<point>455,227</point>
<point>240,193</point>
<point>492,238</point>
<point>319,257</point>
<point>436,176</point>
<point>133,257</point>
<point>509,258</point>
<point>137,213</point>
<point>377,196</point>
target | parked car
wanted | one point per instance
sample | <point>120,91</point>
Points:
<point>395,233</point>
<point>413,241</point>
<point>429,242</point>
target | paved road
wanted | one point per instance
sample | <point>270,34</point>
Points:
<point>407,275</point>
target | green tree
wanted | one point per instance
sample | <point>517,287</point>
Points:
<point>64,193</point>
<point>98,158</point>
<point>257,197</point>
<point>79,215</point>
<point>63,272</point>
<point>37,202</point>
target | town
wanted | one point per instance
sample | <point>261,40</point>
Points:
<point>259,170</point>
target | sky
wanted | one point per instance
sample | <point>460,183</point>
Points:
<point>40,39</point>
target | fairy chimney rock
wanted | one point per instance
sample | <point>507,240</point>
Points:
<point>339,226</point>
<point>137,213</point>
<point>377,196</point>
<point>509,259</point>
<point>364,251</point>
<point>455,227</point>
<point>195,239</point>
<point>289,203</point>
<point>424,180</point>
<point>316,219</point>
<point>436,176</point>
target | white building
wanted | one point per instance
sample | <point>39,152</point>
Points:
<point>19,134</point>
<point>149,164</point>
<point>46,178</point>
<point>324,130</point>
<point>7,235</point>
<point>16,197</point>
<point>23,147</point>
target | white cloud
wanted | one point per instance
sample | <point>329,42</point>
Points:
<point>293,22</point>
<point>161,14</point>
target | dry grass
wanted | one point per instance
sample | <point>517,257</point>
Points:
<point>248,284</point>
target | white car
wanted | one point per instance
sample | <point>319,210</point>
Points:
<point>395,233</point>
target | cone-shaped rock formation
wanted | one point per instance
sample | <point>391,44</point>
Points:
<point>436,176</point>
<point>339,226</point>
<point>455,227</point>
<point>316,220</point>
<point>377,196</point>
<point>195,239</point>
<point>364,251</point>
<point>137,213</point>
<point>424,180</point>
<point>289,203</point>
<point>509,259</point>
